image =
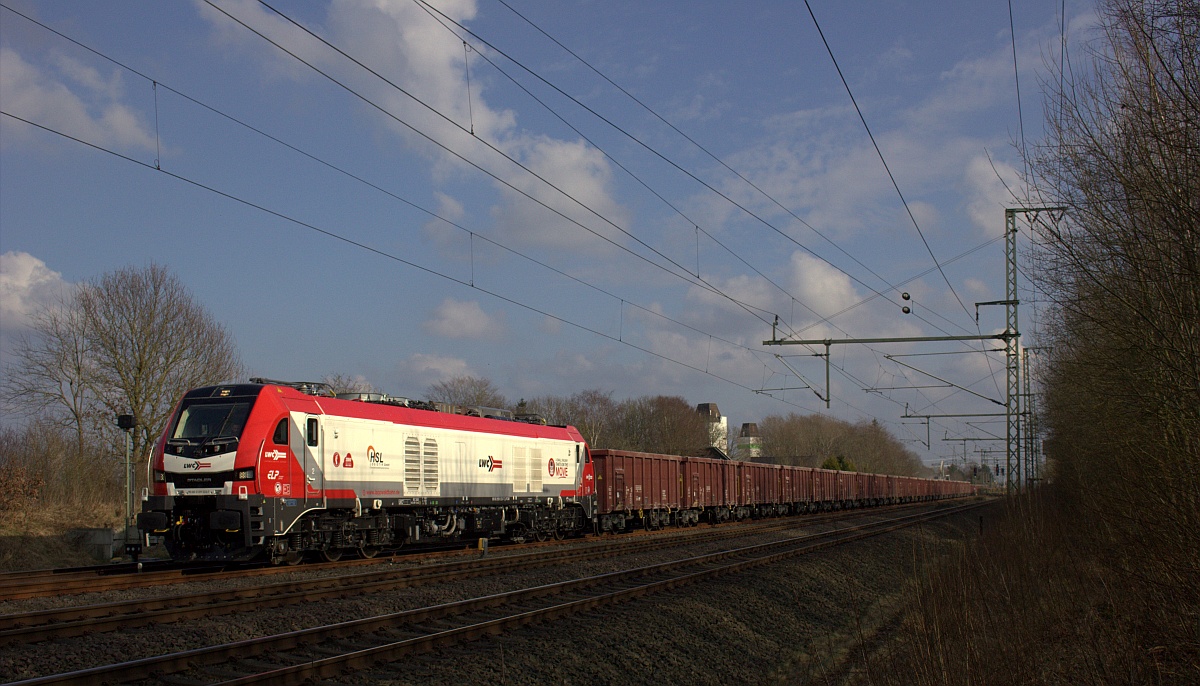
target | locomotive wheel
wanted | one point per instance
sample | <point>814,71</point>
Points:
<point>540,535</point>
<point>293,558</point>
<point>369,551</point>
<point>559,534</point>
<point>332,554</point>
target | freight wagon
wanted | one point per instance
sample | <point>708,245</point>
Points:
<point>636,489</point>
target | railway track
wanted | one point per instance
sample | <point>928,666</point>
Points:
<point>75,581</point>
<point>26,627</point>
<point>25,585</point>
<point>327,651</point>
<point>57,582</point>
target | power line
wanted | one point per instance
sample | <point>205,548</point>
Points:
<point>676,165</point>
<point>340,51</point>
<point>376,187</point>
<point>1017,81</point>
<point>682,274</point>
<point>468,31</point>
<point>882,159</point>
<point>694,142</point>
<point>442,19</point>
<point>381,253</point>
<point>841,371</point>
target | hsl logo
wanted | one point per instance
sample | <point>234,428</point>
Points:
<point>490,463</point>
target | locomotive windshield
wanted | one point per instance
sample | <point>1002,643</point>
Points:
<point>201,421</point>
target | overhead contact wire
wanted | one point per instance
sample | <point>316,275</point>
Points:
<point>882,159</point>
<point>382,253</point>
<point>487,144</point>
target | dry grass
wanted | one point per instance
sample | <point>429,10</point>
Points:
<point>38,535</point>
<point>1041,600</point>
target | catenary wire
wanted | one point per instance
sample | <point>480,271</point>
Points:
<point>683,273</point>
<point>381,253</point>
<point>884,160</point>
<point>840,370</point>
<point>376,187</point>
<point>676,165</point>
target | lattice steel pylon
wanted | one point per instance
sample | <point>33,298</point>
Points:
<point>1031,461</point>
<point>1012,347</point>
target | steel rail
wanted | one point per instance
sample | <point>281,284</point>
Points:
<point>323,665</point>
<point>66,622</point>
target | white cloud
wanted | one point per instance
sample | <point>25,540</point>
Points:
<point>462,319</point>
<point>73,99</point>
<point>25,283</point>
<point>977,288</point>
<point>820,286</point>
<point>580,172</point>
<point>991,184</point>
<point>427,369</point>
<point>402,42</point>
<point>550,326</point>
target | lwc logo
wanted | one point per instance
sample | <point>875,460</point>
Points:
<point>490,463</point>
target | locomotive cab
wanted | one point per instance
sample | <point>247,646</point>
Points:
<point>202,483</point>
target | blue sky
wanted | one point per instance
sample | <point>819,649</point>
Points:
<point>435,219</point>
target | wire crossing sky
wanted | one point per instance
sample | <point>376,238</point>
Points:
<point>556,196</point>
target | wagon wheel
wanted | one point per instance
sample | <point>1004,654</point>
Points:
<point>559,534</point>
<point>540,535</point>
<point>332,554</point>
<point>293,557</point>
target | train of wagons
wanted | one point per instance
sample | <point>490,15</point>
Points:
<point>274,471</point>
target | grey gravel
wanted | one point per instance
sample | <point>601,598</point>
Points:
<point>791,622</point>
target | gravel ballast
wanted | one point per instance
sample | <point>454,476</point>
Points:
<point>791,622</point>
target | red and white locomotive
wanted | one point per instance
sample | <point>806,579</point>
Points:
<point>270,470</point>
<point>276,471</point>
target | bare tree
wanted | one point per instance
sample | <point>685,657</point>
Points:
<point>343,383</point>
<point>659,424</point>
<point>49,378</point>
<point>1122,398</point>
<point>466,390</point>
<point>813,440</point>
<point>593,412</point>
<point>149,341</point>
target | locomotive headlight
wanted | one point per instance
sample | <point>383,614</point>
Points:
<point>244,474</point>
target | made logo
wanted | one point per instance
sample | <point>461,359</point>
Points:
<point>557,472</point>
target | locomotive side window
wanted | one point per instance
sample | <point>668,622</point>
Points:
<point>312,431</point>
<point>281,432</point>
